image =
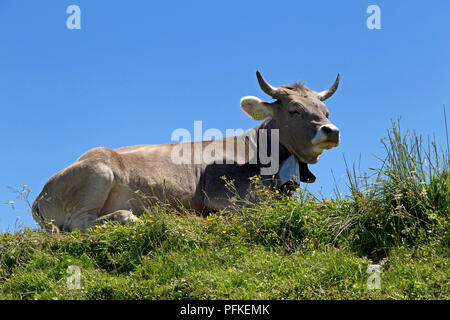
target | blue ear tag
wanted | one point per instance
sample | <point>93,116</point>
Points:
<point>290,170</point>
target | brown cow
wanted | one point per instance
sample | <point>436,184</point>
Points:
<point>105,184</point>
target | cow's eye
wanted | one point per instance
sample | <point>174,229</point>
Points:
<point>295,111</point>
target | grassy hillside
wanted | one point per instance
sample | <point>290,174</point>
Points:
<point>281,248</point>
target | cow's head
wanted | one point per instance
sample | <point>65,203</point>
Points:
<point>300,115</point>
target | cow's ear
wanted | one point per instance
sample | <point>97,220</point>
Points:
<point>257,108</point>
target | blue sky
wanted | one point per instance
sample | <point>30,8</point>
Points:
<point>137,70</point>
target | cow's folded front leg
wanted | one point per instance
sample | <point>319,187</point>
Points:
<point>121,216</point>
<point>80,221</point>
<point>86,220</point>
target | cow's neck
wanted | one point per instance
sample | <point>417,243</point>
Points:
<point>269,125</point>
<point>283,153</point>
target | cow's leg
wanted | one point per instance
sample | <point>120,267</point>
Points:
<point>87,190</point>
<point>121,216</point>
<point>84,188</point>
<point>74,197</point>
<point>87,220</point>
<point>80,221</point>
<point>111,204</point>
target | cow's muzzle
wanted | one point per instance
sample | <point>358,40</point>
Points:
<point>326,137</point>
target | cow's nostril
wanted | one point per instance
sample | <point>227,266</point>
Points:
<point>326,129</point>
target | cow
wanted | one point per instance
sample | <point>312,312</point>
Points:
<point>110,184</point>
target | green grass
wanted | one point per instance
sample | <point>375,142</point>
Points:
<point>280,248</point>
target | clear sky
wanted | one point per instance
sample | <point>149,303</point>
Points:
<point>137,70</point>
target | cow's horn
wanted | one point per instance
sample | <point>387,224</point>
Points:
<point>266,87</point>
<point>324,95</point>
